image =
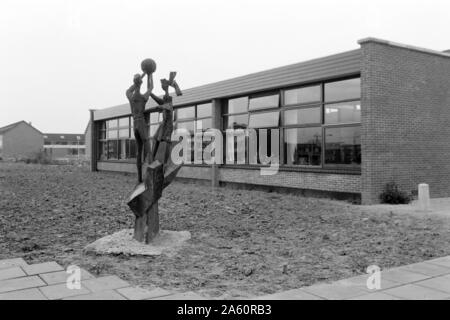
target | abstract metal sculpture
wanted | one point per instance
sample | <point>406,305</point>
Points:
<point>160,170</point>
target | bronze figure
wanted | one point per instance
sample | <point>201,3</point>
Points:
<point>161,170</point>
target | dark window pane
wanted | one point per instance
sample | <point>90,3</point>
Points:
<point>203,124</point>
<point>124,133</point>
<point>185,113</point>
<point>264,102</point>
<point>102,150</point>
<point>124,122</point>
<point>303,146</point>
<point>188,125</point>
<point>237,105</point>
<point>302,116</point>
<point>102,125</point>
<point>112,124</point>
<point>343,145</point>
<point>112,149</point>
<point>204,110</point>
<point>155,117</point>
<point>264,120</point>
<point>123,149</point>
<point>236,122</point>
<point>347,112</point>
<point>131,153</point>
<point>302,95</point>
<point>343,90</point>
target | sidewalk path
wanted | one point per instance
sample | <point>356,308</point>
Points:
<point>418,281</point>
<point>47,281</point>
<point>43,281</point>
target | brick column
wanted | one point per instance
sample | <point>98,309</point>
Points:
<point>216,124</point>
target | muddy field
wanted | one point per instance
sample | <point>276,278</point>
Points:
<point>244,243</point>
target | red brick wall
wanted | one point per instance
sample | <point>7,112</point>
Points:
<point>405,119</point>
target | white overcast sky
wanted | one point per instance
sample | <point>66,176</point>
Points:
<point>60,58</point>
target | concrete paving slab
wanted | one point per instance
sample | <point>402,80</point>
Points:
<point>136,293</point>
<point>60,291</point>
<point>439,283</point>
<point>401,275</point>
<point>415,292</point>
<point>428,269</point>
<point>444,261</point>
<point>360,282</point>
<point>181,296</point>
<point>375,296</point>
<point>20,283</point>
<point>45,267</point>
<point>105,283</point>
<point>10,273</point>
<point>295,294</point>
<point>61,276</point>
<point>9,263</point>
<point>101,295</point>
<point>27,294</point>
<point>334,291</point>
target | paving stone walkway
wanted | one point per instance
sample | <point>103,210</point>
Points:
<point>47,281</point>
<point>429,280</point>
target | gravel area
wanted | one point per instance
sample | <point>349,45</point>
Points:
<point>244,243</point>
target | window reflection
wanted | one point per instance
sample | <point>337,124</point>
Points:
<point>264,102</point>
<point>302,95</point>
<point>303,146</point>
<point>302,116</point>
<point>343,145</point>
<point>264,120</point>
<point>347,112</point>
<point>343,90</point>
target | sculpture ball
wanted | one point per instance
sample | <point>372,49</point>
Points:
<point>148,66</point>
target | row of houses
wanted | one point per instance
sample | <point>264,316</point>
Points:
<point>21,140</point>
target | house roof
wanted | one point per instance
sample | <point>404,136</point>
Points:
<point>63,137</point>
<point>15,124</point>
<point>341,64</point>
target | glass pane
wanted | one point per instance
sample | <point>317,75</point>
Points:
<point>343,90</point>
<point>302,116</point>
<point>155,117</point>
<point>124,122</point>
<point>237,105</point>
<point>112,134</point>
<point>302,95</point>
<point>264,102</point>
<point>236,122</point>
<point>347,112</point>
<point>188,125</point>
<point>264,120</point>
<point>184,113</point>
<point>102,135</point>
<point>124,133</point>
<point>343,145</point>
<point>153,129</point>
<point>123,149</point>
<point>203,124</point>
<point>112,124</point>
<point>131,151</point>
<point>102,150</point>
<point>303,146</point>
<point>204,110</point>
<point>112,149</point>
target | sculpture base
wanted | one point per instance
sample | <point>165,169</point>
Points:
<point>122,242</point>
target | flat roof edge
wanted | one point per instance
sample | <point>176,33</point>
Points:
<point>403,46</point>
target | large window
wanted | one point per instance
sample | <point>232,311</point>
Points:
<point>255,112</point>
<point>116,139</point>
<point>319,124</point>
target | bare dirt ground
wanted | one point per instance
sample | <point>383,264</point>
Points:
<point>244,243</point>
